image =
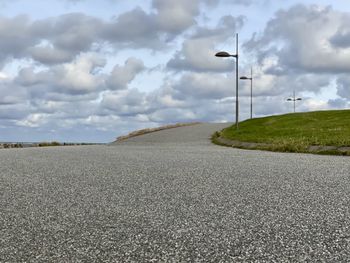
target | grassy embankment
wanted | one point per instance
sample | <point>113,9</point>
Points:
<point>151,130</point>
<point>323,132</point>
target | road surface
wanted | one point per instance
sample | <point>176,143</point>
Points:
<point>172,196</point>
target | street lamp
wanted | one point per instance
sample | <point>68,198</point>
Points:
<point>251,90</point>
<point>294,99</point>
<point>224,54</point>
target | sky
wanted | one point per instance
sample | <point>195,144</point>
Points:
<point>89,71</point>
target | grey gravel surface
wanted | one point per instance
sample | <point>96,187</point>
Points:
<point>171,196</point>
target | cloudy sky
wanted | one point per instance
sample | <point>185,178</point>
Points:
<point>88,71</point>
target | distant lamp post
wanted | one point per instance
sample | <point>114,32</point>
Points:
<point>294,99</point>
<point>251,90</point>
<point>224,54</point>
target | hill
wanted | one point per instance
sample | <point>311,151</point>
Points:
<point>324,132</point>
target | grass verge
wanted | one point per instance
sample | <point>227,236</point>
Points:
<point>321,132</point>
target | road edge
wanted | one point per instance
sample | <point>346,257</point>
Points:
<point>217,139</point>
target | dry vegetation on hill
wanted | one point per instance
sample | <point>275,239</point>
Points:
<point>150,130</point>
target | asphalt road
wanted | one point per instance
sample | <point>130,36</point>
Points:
<point>171,196</point>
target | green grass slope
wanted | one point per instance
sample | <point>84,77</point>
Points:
<point>298,132</point>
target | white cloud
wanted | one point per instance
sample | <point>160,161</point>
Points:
<point>173,114</point>
<point>176,16</point>
<point>197,53</point>
<point>121,76</point>
<point>66,36</point>
<point>33,120</point>
<point>315,105</point>
<point>343,86</point>
<point>76,77</point>
<point>301,38</point>
<point>49,55</point>
<point>205,85</point>
<point>125,102</point>
<point>3,76</point>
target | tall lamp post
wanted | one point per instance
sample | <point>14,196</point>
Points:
<point>294,99</point>
<point>251,90</point>
<point>224,54</point>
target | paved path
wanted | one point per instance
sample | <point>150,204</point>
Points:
<point>171,196</point>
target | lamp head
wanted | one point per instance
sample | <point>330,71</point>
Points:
<point>224,54</point>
